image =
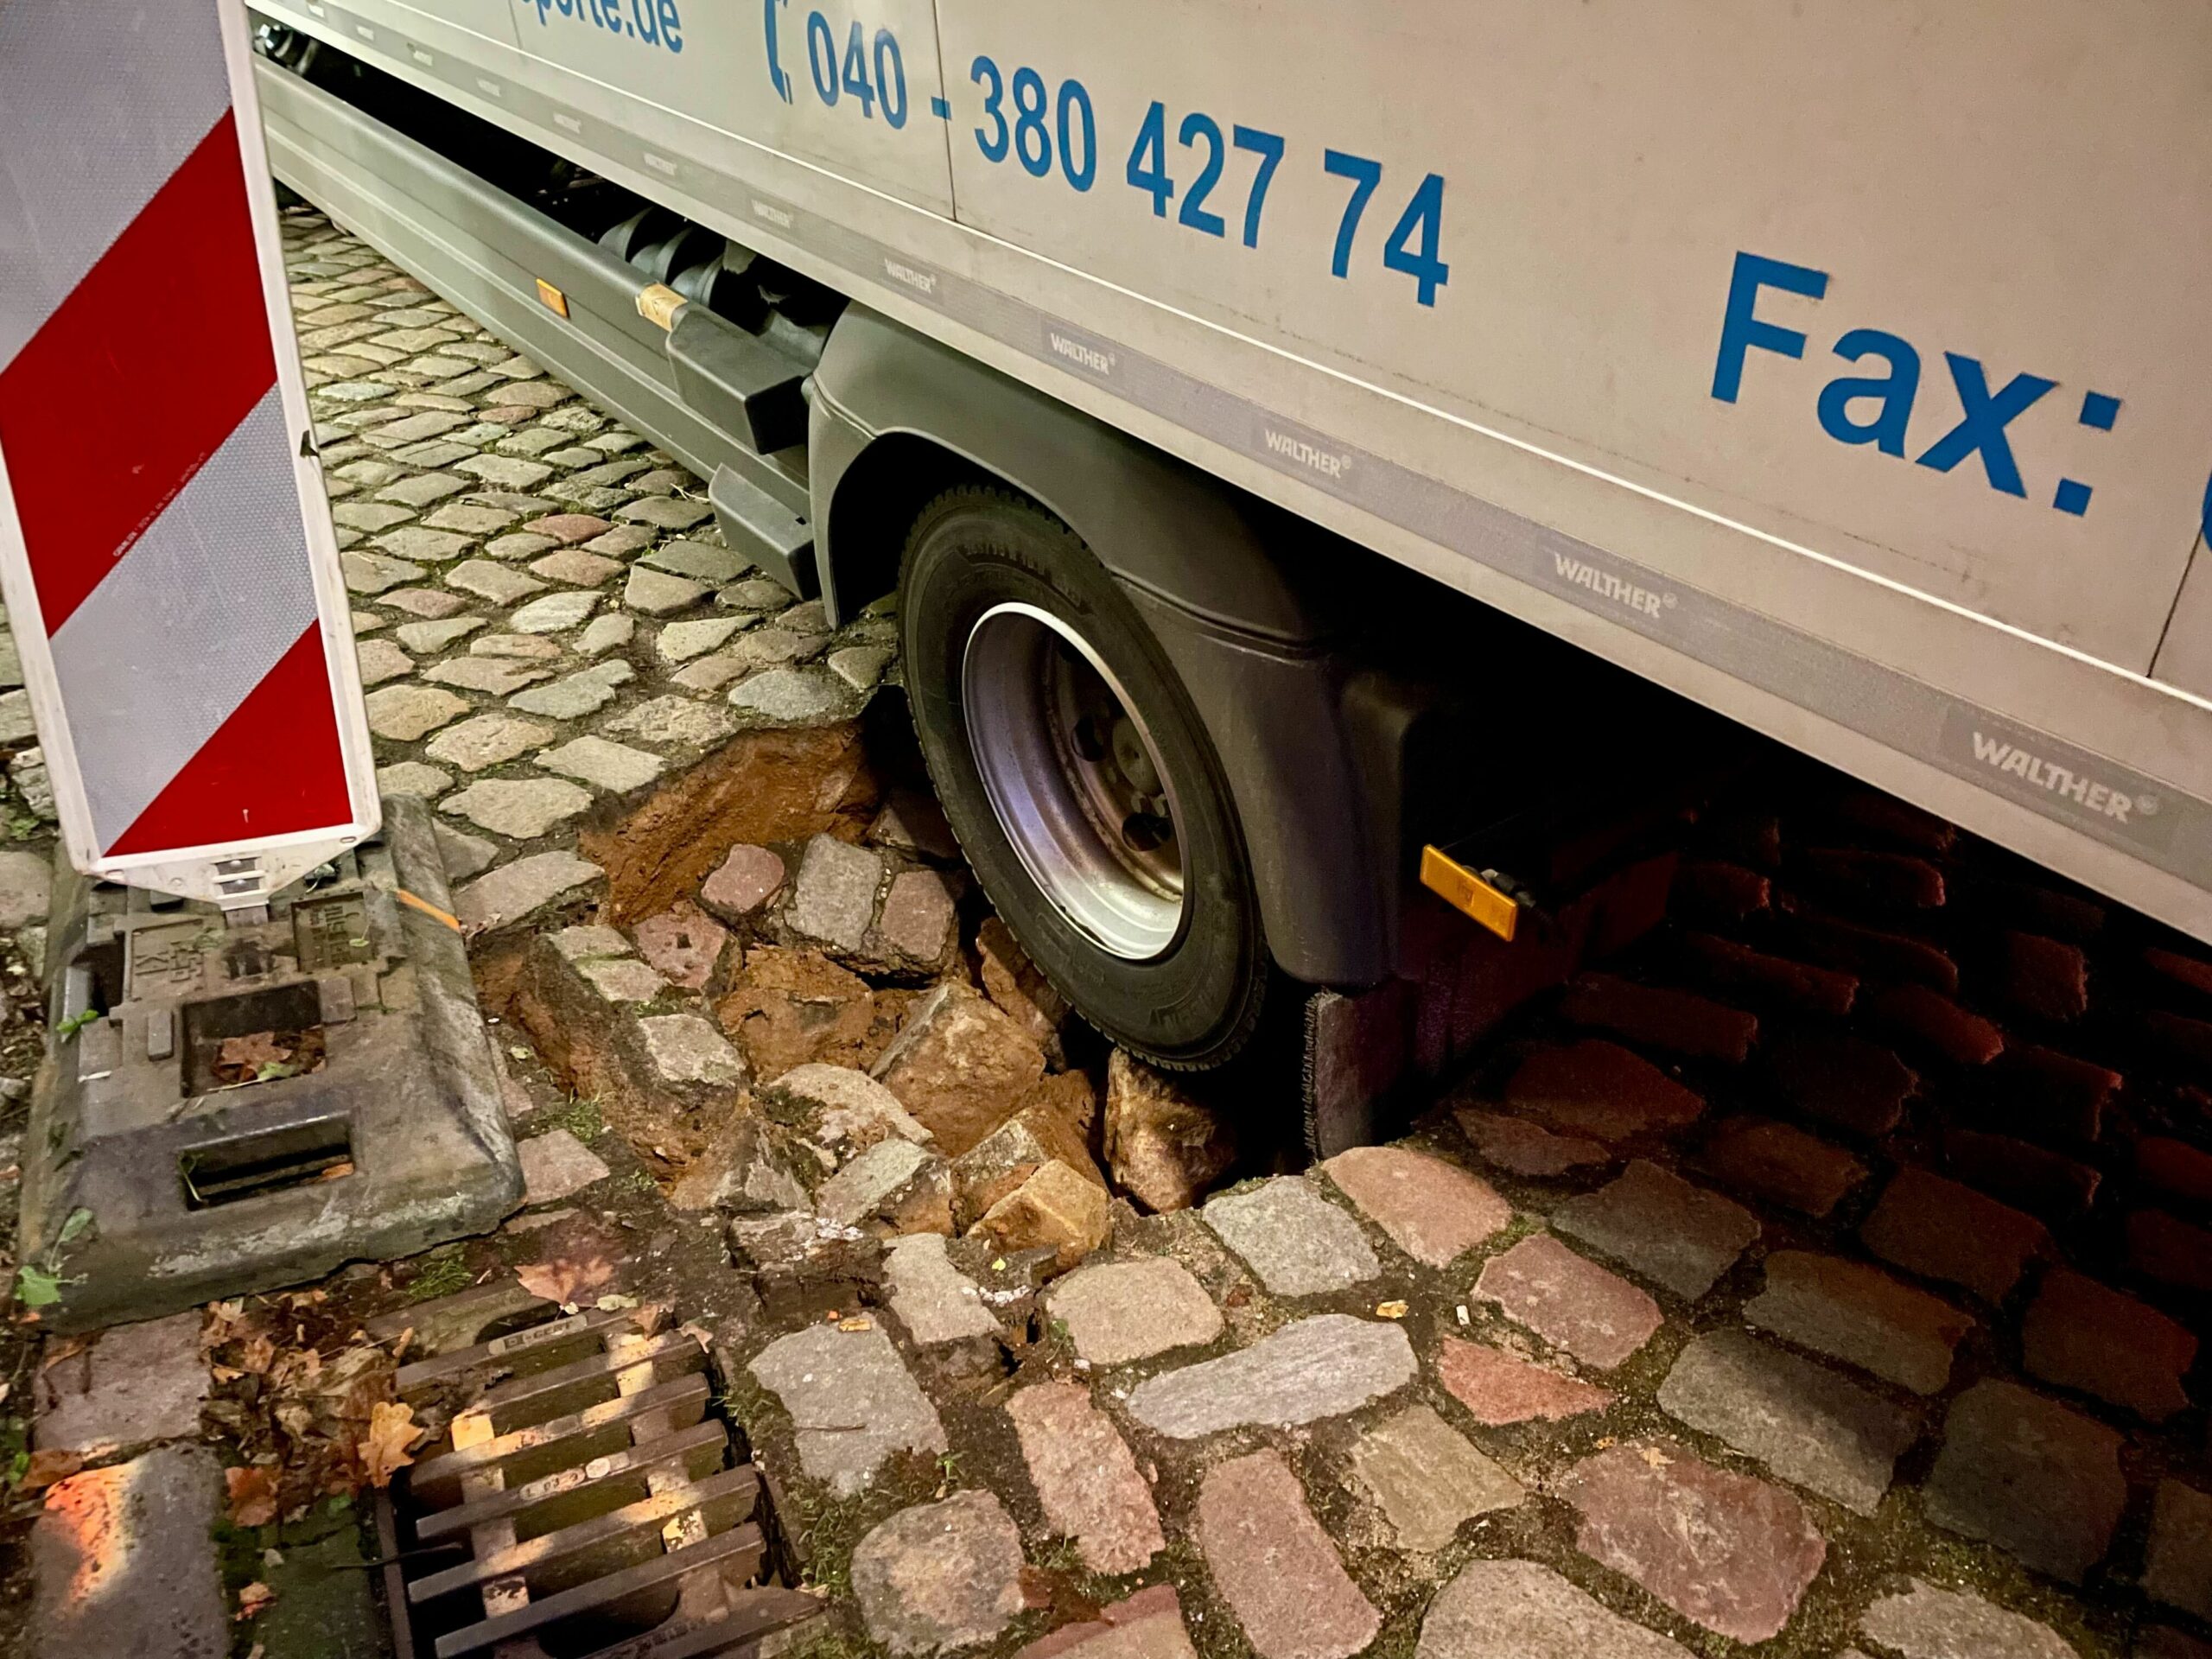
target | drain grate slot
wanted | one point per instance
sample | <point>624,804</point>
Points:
<point>582,1505</point>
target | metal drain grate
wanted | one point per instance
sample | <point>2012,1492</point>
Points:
<point>582,1505</point>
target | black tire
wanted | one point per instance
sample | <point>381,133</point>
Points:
<point>1194,1004</point>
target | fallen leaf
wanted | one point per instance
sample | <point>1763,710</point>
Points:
<point>393,1433</point>
<point>565,1281</point>
<point>256,1355</point>
<point>252,1599</point>
<point>46,1467</point>
<point>253,1494</point>
<point>61,1348</point>
<point>252,1051</point>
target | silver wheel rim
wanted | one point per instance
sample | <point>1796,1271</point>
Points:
<point>1075,777</point>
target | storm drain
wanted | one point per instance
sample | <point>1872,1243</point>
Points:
<point>584,1503</point>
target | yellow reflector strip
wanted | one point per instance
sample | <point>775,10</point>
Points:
<point>552,298</point>
<point>1464,891</point>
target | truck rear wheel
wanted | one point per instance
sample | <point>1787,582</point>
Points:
<point>1079,780</point>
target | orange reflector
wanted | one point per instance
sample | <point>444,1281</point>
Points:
<point>552,298</point>
<point>1464,891</point>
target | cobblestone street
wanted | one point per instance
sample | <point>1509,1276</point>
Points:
<point>1823,1276</point>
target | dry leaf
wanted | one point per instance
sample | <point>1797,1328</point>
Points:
<point>252,1599</point>
<point>256,1354</point>
<point>567,1280</point>
<point>60,1348</point>
<point>253,1494</point>
<point>252,1051</point>
<point>44,1468</point>
<point>392,1433</point>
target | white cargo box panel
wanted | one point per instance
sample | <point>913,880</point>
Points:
<point>1836,365</point>
<point>165,544</point>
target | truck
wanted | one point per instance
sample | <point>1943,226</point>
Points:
<point>1299,436</point>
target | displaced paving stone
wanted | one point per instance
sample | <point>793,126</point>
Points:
<point>463,855</point>
<point>683,1048</point>
<point>939,1576</point>
<point>851,1402</point>
<point>861,667</point>
<point>1086,1481</point>
<point>403,713</point>
<point>522,809</point>
<point>894,1186</point>
<point>750,1167</point>
<point>1011,1152</point>
<point>1673,1233</point>
<point>493,581</point>
<point>1312,1368</point>
<point>26,888</point>
<point>2030,1475</point>
<point>479,673</point>
<point>1518,1610</point>
<point>1729,1552</point>
<point>844,1108</point>
<point>556,1166</point>
<point>623,979</point>
<point>1596,1316</point>
<point>1056,1207</point>
<point>1778,1161</point>
<point>582,942</point>
<point>1163,1148</point>
<point>554,614</point>
<point>934,1300</point>
<point>612,766</point>
<point>960,1065</point>
<point>671,720</point>
<point>604,633</point>
<point>918,916</point>
<point>516,892</point>
<point>122,1563</point>
<point>679,642</point>
<point>1427,1478</point>
<point>486,740</point>
<point>2179,1570</point>
<point>1148,1625</point>
<point>134,1384</point>
<point>793,697</point>
<point>2080,1335</point>
<point>1858,1315</point>
<point>1431,1211</point>
<point>742,882</point>
<point>379,659</point>
<point>1275,1567</point>
<point>1525,1148</point>
<point>1926,1623</point>
<point>1501,1388</point>
<point>427,637</point>
<point>1117,1311</point>
<point>1297,1242</point>
<point>834,899</point>
<point>1601,1089</point>
<point>684,943</point>
<point>1928,1226</point>
<point>1808,1425</point>
<point>655,593</point>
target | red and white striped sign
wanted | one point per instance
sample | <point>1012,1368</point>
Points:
<point>166,551</point>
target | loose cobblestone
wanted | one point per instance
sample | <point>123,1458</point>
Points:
<point>1601,1089</point>
<point>935,1300</point>
<point>134,1384</point>
<point>1314,1368</point>
<point>1673,1233</point>
<point>851,1402</point>
<point>1427,1478</point>
<point>2030,1475</point>
<point>1085,1478</point>
<point>1808,1425</point>
<point>1597,1317</point>
<point>1518,1610</point>
<point>1117,1311</point>
<point>1297,1242</point>
<point>1431,1211</point>
<point>516,892</point>
<point>1275,1567</point>
<point>1726,1551</point>
<point>1860,1316</point>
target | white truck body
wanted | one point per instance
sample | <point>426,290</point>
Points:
<point>1840,365</point>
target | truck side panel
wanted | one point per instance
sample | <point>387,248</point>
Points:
<point>1703,540</point>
